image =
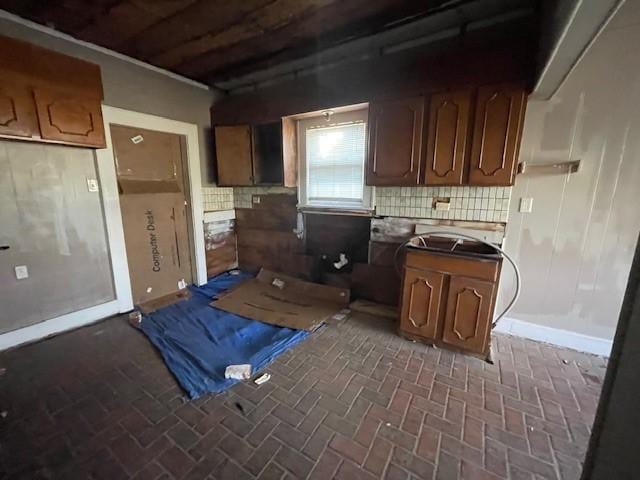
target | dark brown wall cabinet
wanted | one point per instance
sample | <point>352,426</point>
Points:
<point>447,138</point>
<point>449,300</point>
<point>471,137</point>
<point>255,155</point>
<point>496,135</point>
<point>50,97</point>
<point>395,142</point>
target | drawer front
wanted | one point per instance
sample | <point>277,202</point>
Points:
<point>421,302</point>
<point>487,270</point>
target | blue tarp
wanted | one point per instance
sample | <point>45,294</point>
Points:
<point>198,341</point>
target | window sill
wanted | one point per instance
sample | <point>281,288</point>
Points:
<point>354,212</point>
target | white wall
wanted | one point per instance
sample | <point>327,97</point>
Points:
<point>576,247</point>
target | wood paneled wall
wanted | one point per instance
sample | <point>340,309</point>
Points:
<point>266,239</point>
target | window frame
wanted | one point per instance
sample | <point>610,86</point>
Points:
<point>336,118</point>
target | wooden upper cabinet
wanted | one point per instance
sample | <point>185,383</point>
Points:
<point>496,135</point>
<point>467,322</point>
<point>17,112</point>
<point>68,118</point>
<point>233,154</point>
<point>447,136</point>
<point>395,142</point>
<point>49,96</point>
<point>421,302</point>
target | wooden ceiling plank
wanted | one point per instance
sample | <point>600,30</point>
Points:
<point>127,19</point>
<point>68,16</point>
<point>309,44</point>
<point>201,17</point>
<point>339,15</point>
<point>256,25</point>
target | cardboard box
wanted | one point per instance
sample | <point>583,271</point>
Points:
<point>157,244</point>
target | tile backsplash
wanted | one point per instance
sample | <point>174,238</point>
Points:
<point>484,204</point>
<point>217,198</point>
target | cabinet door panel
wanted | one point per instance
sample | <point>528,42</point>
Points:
<point>395,142</point>
<point>468,318</point>
<point>69,119</point>
<point>496,135</point>
<point>421,298</point>
<point>17,111</point>
<point>448,132</point>
<point>233,153</point>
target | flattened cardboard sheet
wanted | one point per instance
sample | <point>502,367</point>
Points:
<point>284,301</point>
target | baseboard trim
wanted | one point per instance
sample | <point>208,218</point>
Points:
<point>555,336</point>
<point>60,324</point>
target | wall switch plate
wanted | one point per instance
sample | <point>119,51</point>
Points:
<point>22,272</point>
<point>92,184</point>
<point>526,204</point>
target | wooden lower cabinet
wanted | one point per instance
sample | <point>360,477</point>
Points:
<point>469,314</point>
<point>449,300</point>
<point>421,302</point>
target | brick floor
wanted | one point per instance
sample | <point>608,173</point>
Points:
<point>354,401</point>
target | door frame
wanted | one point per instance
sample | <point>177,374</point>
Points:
<point>111,197</point>
<point>106,172</point>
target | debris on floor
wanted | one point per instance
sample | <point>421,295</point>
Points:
<point>198,342</point>
<point>264,378</point>
<point>238,372</point>
<point>373,308</point>
<point>135,318</point>
<point>284,301</point>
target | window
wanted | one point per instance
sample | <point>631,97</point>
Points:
<point>332,150</point>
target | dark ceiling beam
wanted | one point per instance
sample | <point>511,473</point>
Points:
<point>340,15</point>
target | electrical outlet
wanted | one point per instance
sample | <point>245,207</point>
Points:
<point>22,272</point>
<point>526,204</point>
<point>92,184</point>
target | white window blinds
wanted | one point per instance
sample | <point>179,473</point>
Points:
<point>335,163</point>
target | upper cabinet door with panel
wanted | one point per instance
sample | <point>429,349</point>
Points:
<point>233,154</point>
<point>395,142</point>
<point>496,135</point>
<point>17,111</point>
<point>69,118</point>
<point>448,131</point>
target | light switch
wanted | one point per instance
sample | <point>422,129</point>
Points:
<point>92,184</point>
<point>526,204</point>
<point>22,272</point>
